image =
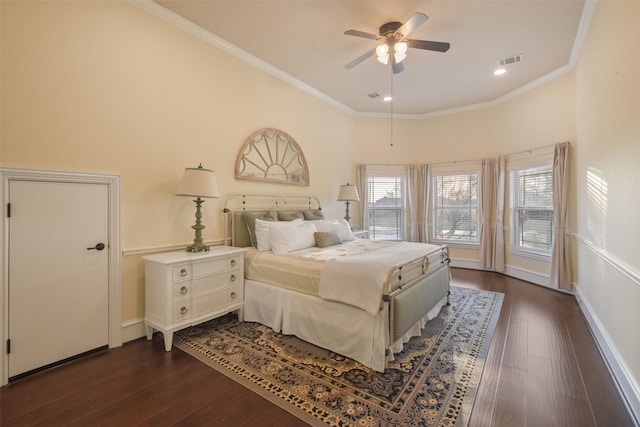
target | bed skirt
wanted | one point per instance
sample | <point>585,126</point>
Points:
<point>343,329</point>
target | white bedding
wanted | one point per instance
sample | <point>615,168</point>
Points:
<point>358,279</point>
<point>353,272</point>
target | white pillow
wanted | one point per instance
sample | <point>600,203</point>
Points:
<point>340,227</point>
<point>323,224</point>
<point>263,232</point>
<point>292,237</point>
<point>344,232</point>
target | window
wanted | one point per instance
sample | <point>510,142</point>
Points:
<point>532,209</point>
<point>386,207</point>
<point>456,208</point>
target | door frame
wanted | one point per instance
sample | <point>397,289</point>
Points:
<point>9,174</point>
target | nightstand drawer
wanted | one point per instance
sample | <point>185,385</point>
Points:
<point>234,276</point>
<point>214,266</point>
<point>210,301</point>
<point>235,294</point>
<point>181,310</point>
<point>209,283</point>
<point>181,290</point>
<point>181,272</point>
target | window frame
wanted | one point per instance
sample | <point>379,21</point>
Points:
<point>436,207</point>
<point>401,211</point>
<point>514,217</point>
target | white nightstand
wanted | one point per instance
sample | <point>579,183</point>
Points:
<point>361,234</point>
<point>183,289</point>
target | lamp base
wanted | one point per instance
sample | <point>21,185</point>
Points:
<point>197,247</point>
<point>347,217</point>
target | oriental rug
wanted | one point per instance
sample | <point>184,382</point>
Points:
<point>432,382</point>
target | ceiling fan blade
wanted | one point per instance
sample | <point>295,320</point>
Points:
<point>397,67</point>
<point>412,23</point>
<point>360,58</point>
<point>428,45</point>
<point>361,34</point>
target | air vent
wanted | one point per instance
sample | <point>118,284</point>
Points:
<point>511,60</point>
<point>373,95</point>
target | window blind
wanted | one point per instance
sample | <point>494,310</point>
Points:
<point>386,207</point>
<point>456,207</point>
<point>532,208</point>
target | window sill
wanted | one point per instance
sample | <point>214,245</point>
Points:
<point>456,243</point>
<point>540,256</point>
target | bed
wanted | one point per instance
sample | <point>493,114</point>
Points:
<point>361,299</point>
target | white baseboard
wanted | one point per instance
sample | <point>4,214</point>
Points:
<point>625,383</point>
<point>518,273</point>
<point>528,275</point>
<point>132,330</point>
<point>471,264</point>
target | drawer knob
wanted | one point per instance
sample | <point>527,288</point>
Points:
<point>183,272</point>
<point>183,310</point>
<point>233,263</point>
<point>233,277</point>
<point>233,295</point>
<point>183,290</point>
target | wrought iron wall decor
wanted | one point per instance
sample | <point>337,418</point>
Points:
<point>272,155</point>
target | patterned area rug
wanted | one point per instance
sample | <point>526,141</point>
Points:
<point>433,382</point>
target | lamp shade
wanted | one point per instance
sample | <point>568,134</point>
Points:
<point>349,193</point>
<point>198,182</point>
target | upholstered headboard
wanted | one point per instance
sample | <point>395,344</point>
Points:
<point>236,230</point>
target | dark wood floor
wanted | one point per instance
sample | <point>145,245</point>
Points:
<point>543,369</point>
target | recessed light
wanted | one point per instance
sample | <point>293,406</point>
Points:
<point>499,71</point>
<point>387,98</point>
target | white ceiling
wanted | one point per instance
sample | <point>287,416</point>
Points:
<point>303,41</point>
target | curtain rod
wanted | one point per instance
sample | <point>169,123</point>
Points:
<point>531,150</point>
<point>458,162</point>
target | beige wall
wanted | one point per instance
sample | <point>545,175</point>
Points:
<point>107,87</point>
<point>608,174</point>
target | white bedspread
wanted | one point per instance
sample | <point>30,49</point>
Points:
<point>358,279</point>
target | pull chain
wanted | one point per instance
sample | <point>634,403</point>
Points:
<point>392,102</point>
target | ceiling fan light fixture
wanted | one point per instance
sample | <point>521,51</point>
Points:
<point>393,43</point>
<point>382,52</point>
<point>400,48</point>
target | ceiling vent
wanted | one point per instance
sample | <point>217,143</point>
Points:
<point>511,60</point>
<point>373,95</point>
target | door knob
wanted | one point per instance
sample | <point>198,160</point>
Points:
<point>99,247</point>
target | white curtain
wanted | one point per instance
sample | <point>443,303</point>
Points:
<point>560,269</point>
<point>499,247</point>
<point>491,204</point>
<point>424,190</point>
<point>363,192</point>
<point>411,228</point>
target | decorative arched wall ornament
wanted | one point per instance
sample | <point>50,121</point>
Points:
<point>271,155</point>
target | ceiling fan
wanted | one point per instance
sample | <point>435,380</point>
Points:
<point>394,42</point>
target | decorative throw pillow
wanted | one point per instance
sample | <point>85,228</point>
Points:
<point>249,219</point>
<point>289,216</point>
<point>312,214</point>
<point>264,230</point>
<point>292,236</point>
<point>326,238</point>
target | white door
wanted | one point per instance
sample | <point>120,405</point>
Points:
<point>58,277</point>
